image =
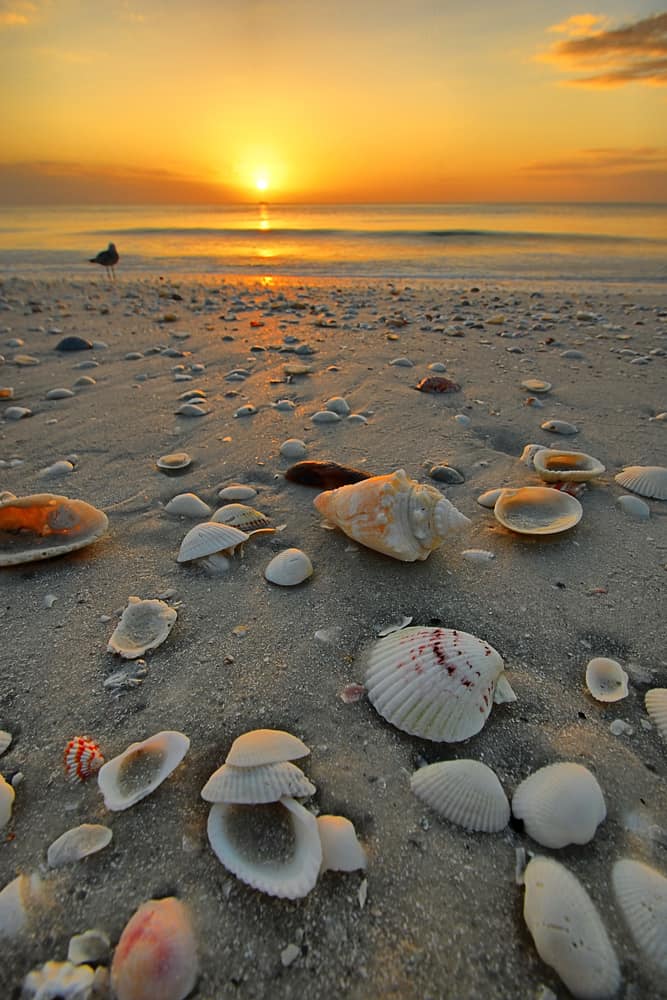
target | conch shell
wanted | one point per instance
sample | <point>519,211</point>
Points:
<point>392,514</point>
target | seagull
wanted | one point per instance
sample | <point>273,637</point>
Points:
<point>107,258</point>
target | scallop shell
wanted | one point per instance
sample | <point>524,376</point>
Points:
<point>656,706</point>
<point>240,516</point>
<point>44,525</point>
<point>393,515</point>
<point>560,804</point>
<point>436,683</point>
<point>7,796</point>
<point>252,785</point>
<point>188,505</point>
<point>537,510</point>
<point>465,792</point>
<point>641,893</point>
<point>78,843</point>
<point>646,480</point>
<point>606,679</point>
<point>143,625</point>
<point>209,538</point>
<point>59,979</point>
<point>156,955</point>
<point>82,757</point>
<point>139,770</point>
<point>274,847</point>
<point>341,850</point>
<point>289,568</point>
<point>568,932</point>
<point>265,746</point>
<point>553,466</point>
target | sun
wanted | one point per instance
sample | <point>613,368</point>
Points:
<point>262,182</point>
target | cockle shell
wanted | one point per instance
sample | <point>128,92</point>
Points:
<point>289,568</point>
<point>656,706</point>
<point>274,847</point>
<point>139,770</point>
<point>44,525</point>
<point>537,510</point>
<point>7,796</point>
<point>143,625</point>
<point>436,683</point>
<point>60,980</point>
<point>552,466</point>
<point>156,955</point>
<point>240,516</point>
<point>82,757</point>
<point>392,514</point>
<point>646,480</point>
<point>208,539</point>
<point>641,893</point>
<point>187,505</point>
<point>568,932</point>
<point>252,785</point>
<point>465,792</point>
<point>78,843</point>
<point>606,679</point>
<point>560,804</point>
<point>341,850</point>
<point>265,746</point>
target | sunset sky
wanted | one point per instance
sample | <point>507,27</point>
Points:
<point>357,100</point>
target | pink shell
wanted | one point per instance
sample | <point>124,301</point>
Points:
<point>82,757</point>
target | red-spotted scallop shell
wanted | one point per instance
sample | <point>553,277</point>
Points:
<point>82,757</point>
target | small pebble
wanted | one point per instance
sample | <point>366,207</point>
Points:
<point>462,420</point>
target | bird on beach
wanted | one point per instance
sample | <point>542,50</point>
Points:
<point>107,258</point>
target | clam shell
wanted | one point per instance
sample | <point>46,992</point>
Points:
<point>265,746</point>
<point>59,979</point>
<point>188,505</point>
<point>436,683</point>
<point>392,514</point>
<point>78,843</point>
<point>568,932</point>
<point>553,466</point>
<point>560,804</point>
<point>273,847</point>
<point>606,679</point>
<point>490,497</point>
<point>143,625</point>
<point>44,525</point>
<point>7,796</point>
<point>156,955</point>
<point>537,510</point>
<point>177,460</point>
<point>465,792</point>
<point>208,538</point>
<point>559,427</point>
<point>240,516</point>
<point>252,785</point>
<point>341,850</point>
<point>139,770</point>
<point>528,454</point>
<point>646,480</point>
<point>535,385</point>
<point>641,893</point>
<point>289,568</point>
<point>656,706</point>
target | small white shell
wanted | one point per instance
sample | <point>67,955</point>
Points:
<point>646,480</point>
<point>20,900</point>
<point>139,770</point>
<point>274,847</point>
<point>559,427</point>
<point>59,979</point>
<point>606,679</point>
<point>560,804</point>
<point>252,785</point>
<point>265,746</point>
<point>177,460</point>
<point>568,932</point>
<point>641,893</point>
<point>78,843</point>
<point>7,796</point>
<point>528,454</point>
<point>240,516</point>
<point>465,792</point>
<point>537,510</point>
<point>188,505</point>
<point>208,538</point>
<point>191,410</point>
<point>144,625</point>
<point>656,706</point>
<point>289,568</point>
<point>325,417</point>
<point>554,466</point>
<point>341,850</point>
<point>489,498</point>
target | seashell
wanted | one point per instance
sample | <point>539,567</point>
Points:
<point>265,746</point>
<point>436,683</point>
<point>208,538</point>
<point>7,796</point>
<point>274,847</point>
<point>176,460</point>
<point>191,410</point>
<point>61,980</point>
<point>465,792</point>
<point>294,369</point>
<point>324,475</point>
<point>341,850</point>
<point>559,427</point>
<point>325,417</point>
<point>606,679</point>
<point>339,405</point>
<point>139,770</point>
<point>92,946</point>
<point>537,510</point>
<point>463,420</point>
<point>237,491</point>
<point>293,448</point>
<point>393,515</point>
<point>446,474</point>
<point>143,625</point>
<point>560,804</point>
<point>641,893</point>
<point>20,900</point>
<point>633,507</point>
<point>73,344</point>
<point>289,568</point>
<point>437,383</point>
<point>156,955</point>
<point>528,454</point>
<point>188,505</point>
<point>489,498</point>
<point>646,480</point>
<point>535,385</point>
<point>245,411</point>
<point>78,843</point>
<point>252,785</point>
<point>240,516</point>
<point>57,469</point>
<point>552,466</point>
<point>477,555</point>
<point>17,413</point>
<point>82,757</point>
<point>656,706</point>
<point>5,741</point>
<point>568,932</point>
<point>43,525</point>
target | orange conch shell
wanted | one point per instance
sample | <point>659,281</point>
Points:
<point>44,525</point>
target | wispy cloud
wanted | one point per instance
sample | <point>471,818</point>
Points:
<point>608,161</point>
<point>610,57</point>
<point>18,13</point>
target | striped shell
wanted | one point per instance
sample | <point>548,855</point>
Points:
<point>553,466</point>
<point>251,785</point>
<point>641,893</point>
<point>560,804</point>
<point>436,683</point>
<point>656,706</point>
<point>646,480</point>
<point>465,792</point>
<point>209,538</point>
<point>82,757</point>
<point>240,516</point>
<point>537,510</point>
<point>44,525</point>
<point>265,746</point>
<point>139,770</point>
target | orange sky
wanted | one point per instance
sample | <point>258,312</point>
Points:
<point>380,100</point>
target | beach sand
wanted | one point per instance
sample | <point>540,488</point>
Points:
<point>443,913</point>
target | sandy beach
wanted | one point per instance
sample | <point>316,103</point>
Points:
<point>437,915</point>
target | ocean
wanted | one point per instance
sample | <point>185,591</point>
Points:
<point>551,242</point>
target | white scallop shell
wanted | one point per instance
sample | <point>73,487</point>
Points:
<point>139,770</point>
<point>341,850</point>
<point>78,843</point>
<point>554,466</point>
<point>641,893</point>
<point>208,538</point>
<point>537,510</point>
<point>646,480</point>
<point>43,525</point>
<point>656,706</point>
<point>143,625</point>
<point>240,516</point>
<point>436,683</point>
<point>465,792</point>
<point>560,804</point>
<point>274,847</point>
<point>187,505</point>
<point>59,979</point>
<point>393,515</point>
<point>265,746</point>
<point>289,568</point>
<point>606,679</point>
<point>7,796</point>
<point>568,932</point>
<point>251,785</point>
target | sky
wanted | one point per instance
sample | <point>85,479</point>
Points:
<point>165,101</point>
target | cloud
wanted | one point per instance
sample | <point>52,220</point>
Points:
<point>612,57</point>
<point>17,13</point>
<point>607,161</point>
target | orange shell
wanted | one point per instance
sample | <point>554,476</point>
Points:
<point>82,757</point>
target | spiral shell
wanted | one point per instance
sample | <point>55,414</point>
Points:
<point>82,757</point>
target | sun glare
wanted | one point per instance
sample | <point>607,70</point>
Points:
<point>262,182</point>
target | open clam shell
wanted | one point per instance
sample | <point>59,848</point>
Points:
<point>210,538</point>
<point>465,792</point>
<point>537,510</point>
<point>656,706</point>
<point>253,785</point>
<point>606,679</point>
<point>341,850</point>
<point>560,804</point>
<point>265,746</point>
<point>144,625</point>
<point>554,466</point>
<point>274,847</point>
<point>641,893</point>
<point>43,525</point>
<point>646,480</point>
<point>139,770</point>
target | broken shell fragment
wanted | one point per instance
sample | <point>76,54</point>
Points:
<point>656,706</point>
<point>641,893</point>
<point>156,955</point>
<point>7,796</point>
<point>537,510</point>
<point>144,625</point>
<point>139,770</point>
<point>646,480</point>
<point>208,539</point>
<point>465,792</point>
<point>61,980</point>
<point>78,843</point>
<point>341,850</point>
<point>560,804</point>
<point>553,466</point>
<point>252,785</point>
<point>289,568</point>
<point>606,679</point>
<point>43,525</point>
<point>265,746</point>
